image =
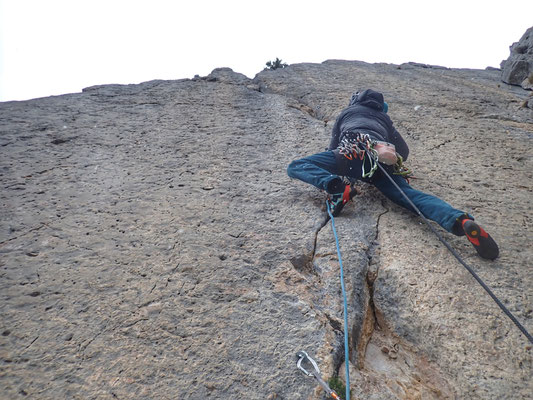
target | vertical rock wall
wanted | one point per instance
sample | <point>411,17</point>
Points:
<point>438,334</point>
<point>152,245</point>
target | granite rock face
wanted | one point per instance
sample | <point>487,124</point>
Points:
<point>518,68</point>
<point>152,245</point>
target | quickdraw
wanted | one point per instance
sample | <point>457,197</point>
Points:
<point>349,148</point>
<point>304,357</point>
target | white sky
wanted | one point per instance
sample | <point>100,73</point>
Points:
<point>50,47</point>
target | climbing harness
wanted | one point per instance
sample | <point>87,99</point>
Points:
<point>356,145</point>
<point>458,257</point>
<point>304,357</point>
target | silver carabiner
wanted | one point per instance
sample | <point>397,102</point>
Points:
<point>302,355</point>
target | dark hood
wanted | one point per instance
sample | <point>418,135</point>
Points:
<point>368,98</point>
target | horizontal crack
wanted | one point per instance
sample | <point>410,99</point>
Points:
<point>304,108</point>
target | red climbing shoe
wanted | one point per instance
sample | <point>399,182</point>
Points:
<point>337,201</point>
<point>485,246</point>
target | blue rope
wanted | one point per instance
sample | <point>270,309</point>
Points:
<point>346,358</point>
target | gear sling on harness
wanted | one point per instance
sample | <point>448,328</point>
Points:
<point>357,144</point>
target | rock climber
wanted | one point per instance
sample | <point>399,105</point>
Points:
<point>363,135</point>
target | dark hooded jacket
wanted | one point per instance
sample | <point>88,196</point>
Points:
<point>366,114</point>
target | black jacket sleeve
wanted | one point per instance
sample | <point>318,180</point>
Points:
<point>401,147</point>
<point>335,135</point>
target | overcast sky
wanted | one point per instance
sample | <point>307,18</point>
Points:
<point>50,47</point>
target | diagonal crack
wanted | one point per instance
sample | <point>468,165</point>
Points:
<point>304,262</point>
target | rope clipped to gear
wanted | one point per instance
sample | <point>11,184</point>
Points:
<point>346,354</point>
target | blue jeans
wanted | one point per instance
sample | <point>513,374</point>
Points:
<point>323,171</point>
